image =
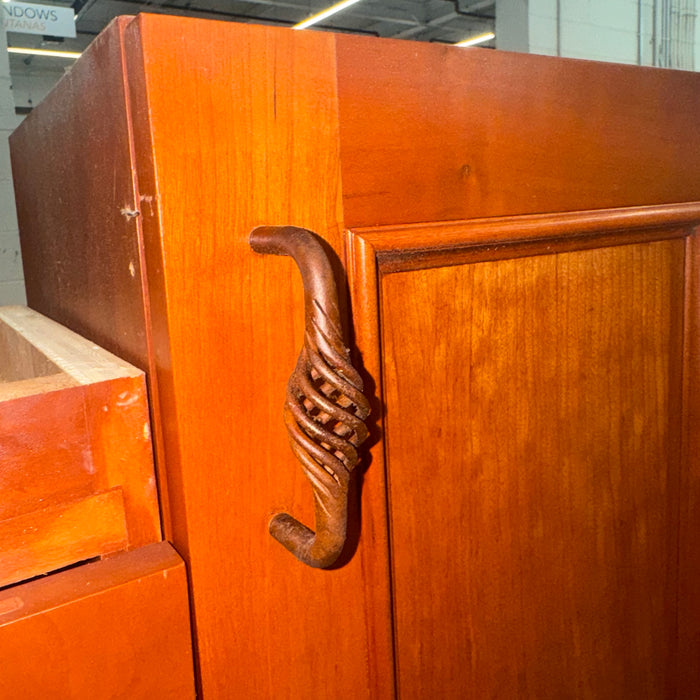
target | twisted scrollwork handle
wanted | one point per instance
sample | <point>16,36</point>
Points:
<point>325,406</point>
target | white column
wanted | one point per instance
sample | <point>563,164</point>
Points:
<point>543,27</point>
<point>11,277</point>
<point>512,25</point>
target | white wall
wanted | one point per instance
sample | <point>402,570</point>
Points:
<point>603,30</point>
<point>599,29</point>
<point>621,31</point>
<point>30,88</point>
<point>11,278</point>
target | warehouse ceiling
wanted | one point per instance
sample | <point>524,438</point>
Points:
<point>445,21</point>
<point>426,20</point>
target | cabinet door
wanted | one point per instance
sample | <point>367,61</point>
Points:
<point>537,384</point>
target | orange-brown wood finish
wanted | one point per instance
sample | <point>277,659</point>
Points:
<point>531,492</point>
<point>60,535</point>
<point>103,441</point>
<point>76,466</point>
<point>229,466</point>
<point>96,289</point>
<point>689,488</point>
<point>540,474</point>
<point>432,133</point>
<point>118,628</point>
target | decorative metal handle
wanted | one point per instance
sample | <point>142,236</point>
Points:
<point>325,406</point>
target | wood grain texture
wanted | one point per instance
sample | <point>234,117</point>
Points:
<point>255,143</point>
<point>66,440</point>
<point>118,628</point>
<point>60,535</point>
<point>38,337</point>
<point>533,439</point>
<point>76,206</point>
<point>688,651</point>
<point>434,133</point>
<point>79,211</point>
<point>363,283</point>
<point>563,584</point>
<point>37,385</point>
<point>46,451</point>
<point>436,244</point>
<point>374,253</point>
<point>20,360</point>
<point>63,445</point>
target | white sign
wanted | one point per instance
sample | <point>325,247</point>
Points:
<point>29,18</point>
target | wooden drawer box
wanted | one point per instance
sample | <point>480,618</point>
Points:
<point>76,469</point>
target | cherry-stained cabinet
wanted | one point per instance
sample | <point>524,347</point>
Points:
<point>93,604</point>
<point>514,242</point>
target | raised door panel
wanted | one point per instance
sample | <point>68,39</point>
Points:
<point>533,420</point>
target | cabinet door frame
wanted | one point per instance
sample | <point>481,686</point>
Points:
<point>372,253</point>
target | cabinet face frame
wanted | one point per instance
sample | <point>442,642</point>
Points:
<point>375,253</point>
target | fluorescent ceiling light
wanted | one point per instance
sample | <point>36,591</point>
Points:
<point>477,39</point>
<point>325,13</point>
<point>43,52</point>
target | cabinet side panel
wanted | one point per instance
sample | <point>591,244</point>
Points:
<point>533,438</point>
<point>76,204</point>
<point>243,132</point>
<point>437,133</point>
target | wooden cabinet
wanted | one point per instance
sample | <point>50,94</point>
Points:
<point>516,239</point>
<point>92,604</point>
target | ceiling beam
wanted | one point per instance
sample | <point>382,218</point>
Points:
<point>435,22</point>
<point>469,7</point>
